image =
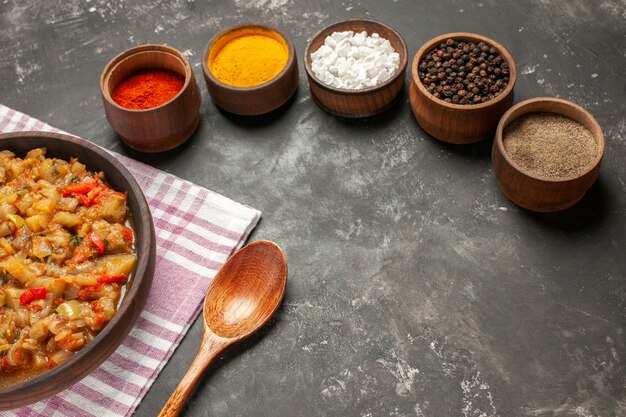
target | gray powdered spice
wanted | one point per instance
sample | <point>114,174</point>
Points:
<point>550,145</point>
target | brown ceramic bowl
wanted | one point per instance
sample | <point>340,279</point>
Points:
<point>258,99</point>
<point>459,123</point>
<point>92,355</point>
<point>160,128</point>
<point>530,190</point>
<point>357,103</point>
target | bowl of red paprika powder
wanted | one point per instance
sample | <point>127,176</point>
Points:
<point>151,97</point>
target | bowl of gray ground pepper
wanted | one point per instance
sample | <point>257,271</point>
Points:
<point>547,153</point>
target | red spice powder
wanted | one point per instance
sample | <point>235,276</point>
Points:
<point>147,89</point>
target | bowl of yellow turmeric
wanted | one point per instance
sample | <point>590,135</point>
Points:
<point>250,69</point>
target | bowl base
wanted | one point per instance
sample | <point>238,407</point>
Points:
<point>359,115</point>
<point>538,206</point>
<point>163,144</point>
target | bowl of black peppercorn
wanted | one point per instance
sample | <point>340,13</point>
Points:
<point>461,84</point>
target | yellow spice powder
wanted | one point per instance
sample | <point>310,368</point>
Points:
<point>250,59</point>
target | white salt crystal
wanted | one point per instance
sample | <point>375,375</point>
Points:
<point>354,61</point>
<point>343,50</point>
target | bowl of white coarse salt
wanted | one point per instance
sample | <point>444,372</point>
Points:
<point>356,68</point>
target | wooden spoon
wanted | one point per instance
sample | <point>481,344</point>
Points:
<point>243,296</point>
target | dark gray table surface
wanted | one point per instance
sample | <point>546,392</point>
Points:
<point>416,288</point>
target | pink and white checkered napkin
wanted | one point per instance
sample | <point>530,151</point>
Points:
<point>197,230</point>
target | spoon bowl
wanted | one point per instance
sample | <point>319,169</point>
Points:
<point>245,293</point>
<point>241,299</point>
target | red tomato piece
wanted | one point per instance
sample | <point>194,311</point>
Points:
<point>97,241</point>
<point>87,292</point>
<point>80,255</point>
<point>78,189</point>
<point>33,294</point>
<point>128,234</point>
<point>110,279</point>
<point>85,200</point>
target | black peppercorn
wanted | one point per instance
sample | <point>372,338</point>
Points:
<point>464,72</point>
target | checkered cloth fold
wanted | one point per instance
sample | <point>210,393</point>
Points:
<point>197,230</point>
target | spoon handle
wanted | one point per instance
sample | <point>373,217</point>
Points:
<point>210,347</point>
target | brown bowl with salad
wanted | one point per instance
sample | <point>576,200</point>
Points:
<point>77,255</point>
